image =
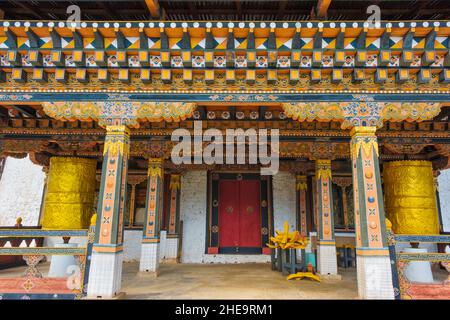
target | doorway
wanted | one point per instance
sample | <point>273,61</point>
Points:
<point>239,213</point>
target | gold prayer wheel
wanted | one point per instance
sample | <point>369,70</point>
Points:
<point>70,193</point>
<point>410,197</point>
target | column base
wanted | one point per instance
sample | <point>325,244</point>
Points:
<point>162,245</point>
<point>148,274</point>
<point>149,257</point>
<point>105,275</point>
<point>171,249</point>
<point>374,277</point>
<point>330,276</point>
<point>326,260</point>
<point>119,296</point>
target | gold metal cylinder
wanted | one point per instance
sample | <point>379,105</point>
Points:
<point>410,197</point>
<point>69,198</point>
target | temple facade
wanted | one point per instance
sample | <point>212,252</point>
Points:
<point>193,141</point>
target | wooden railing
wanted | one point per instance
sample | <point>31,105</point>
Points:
<point>9,261</point>
<point>32,284</point>
<point>403,287</point>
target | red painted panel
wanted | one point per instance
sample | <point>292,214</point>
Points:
<point>229,213</point>
<point>213,250</point>
<point>250,215</point>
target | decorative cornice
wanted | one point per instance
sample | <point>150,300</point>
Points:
<point>342,182</point>
<point>362,113</point>
<point>129,113</point>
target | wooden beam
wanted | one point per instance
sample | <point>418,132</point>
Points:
<point>239,7</point>
<point>153,7</point>
<point>24,112</point>
<point>111,12</point>
<point>322,8</point>
<point>282,9</point>
<point>34,11</point>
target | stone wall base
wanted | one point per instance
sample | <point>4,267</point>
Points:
<point>326,260</point>
<point>149,257</point>
<point>105,275</point>
<point>171,248</point>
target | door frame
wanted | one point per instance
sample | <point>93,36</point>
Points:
<point>212,230</point>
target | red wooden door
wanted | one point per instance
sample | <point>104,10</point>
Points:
<point>228,213</point>
<point>249,214</point>
<point>239,213</point>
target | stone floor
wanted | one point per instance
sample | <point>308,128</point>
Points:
<point>231,281</point>
<point>221,281</point>
<point>226,281</point>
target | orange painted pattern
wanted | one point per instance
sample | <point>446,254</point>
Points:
<point>151,210</point>
<point>372,201</point>
<point>108,200</point>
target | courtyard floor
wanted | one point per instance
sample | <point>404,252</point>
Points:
<point>231,281</point>
<point>221,281</point>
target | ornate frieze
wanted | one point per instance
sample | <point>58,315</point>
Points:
<point>196,54</point>
<point>314,150</point>
<point>364,112</point>
<point>127,112</point>
<point>152,148</point>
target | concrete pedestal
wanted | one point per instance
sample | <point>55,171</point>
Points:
<point>418,271</point>
<point>374,277</point>
<point>149,257</point>
<point>326,260</point>
<point>60,264</point>
<point>171,249</point>
<point>105,275</point>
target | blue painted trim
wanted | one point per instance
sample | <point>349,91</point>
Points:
<point>42,233</point>
<point>19,251</point>
<point>37,296</point>
<point>394,272</point>
<point>222,97</point>
<point>224,24</point>
<point>424,238</point>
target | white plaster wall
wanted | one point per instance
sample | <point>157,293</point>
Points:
<point>21,188</point>
<point>283,184</point>
<point>132,245</point>
<point>193,215</point>
<point>444,196</point>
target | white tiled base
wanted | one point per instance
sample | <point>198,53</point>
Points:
<point>149,257</point>
<point>105,275</point>
<point>326,259</point>
<point>374,277</point>
<point>162,245</point>
<point>171,248</point>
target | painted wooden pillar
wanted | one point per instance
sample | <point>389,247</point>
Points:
<point>153,212</point>
<point>344,205</point>
<point>133,181</point>
<point>132,204</point>
<point>302,186</point>
<point>372,253</point>
<point>105,273</point>
<point>173,217</point>
<point>326,244</point>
